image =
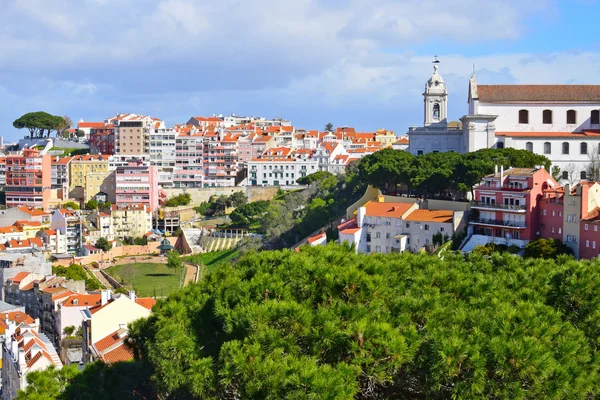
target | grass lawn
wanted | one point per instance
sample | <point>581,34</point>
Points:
<point>210,260</point>
<point>148,278</point>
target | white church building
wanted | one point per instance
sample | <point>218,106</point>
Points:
<point>562,122</point>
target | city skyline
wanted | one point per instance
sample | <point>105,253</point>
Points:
<point>353,63</point>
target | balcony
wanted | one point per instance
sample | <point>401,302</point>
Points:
<point>499,222</point>
<point>498,206</point>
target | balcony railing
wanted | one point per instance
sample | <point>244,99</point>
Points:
<point>499,222</point>
<point>499,206</point>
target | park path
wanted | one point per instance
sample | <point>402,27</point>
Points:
<point>190,274</point>
<point>102,279</point>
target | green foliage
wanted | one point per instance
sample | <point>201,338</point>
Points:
<point>39,122</point>
<point>218,204</point>
<point>182,199</point>
<point>104,244</point>
<point>79,133</point>
<point>314,177</point>
<point>92,204</point>
<point>213,258</point>
<point>327,323</point>
<point>442,175</point>
<point>238,199</point>
<point>437,239</point>
<point>105,205</point>
<point>71,204</point>
<point>490,248</point>
<point>174,261</point>
<point>76,273</point>
<point>70,151</point>
<point>145,278</point>
<point>245,214</point>
<point>546,248</point>
<point>329,127</point>
<point>204,208</point>
<point>128,241</point>
<point>48,384</point>
<point>69,330</point>
<point>140,241</point>
<point>514,249</point>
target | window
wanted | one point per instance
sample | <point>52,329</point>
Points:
<point>547,148</point>
<point>595,228</point>
<point>595,117</point>
<point>419,152</point>
<point>500,145</point>
<point>547,116</point>
<point>388,235</point>
<point>568,238</point>
<point>442,229</point>
<point>407,225</point>
<point>593,244</point>
<point>426,227</point>
<point>571,117</point>
<point>544,212</point>
<point>436,111</point>
<point>368,248</point>
<point>553,213</point>
<point>559,231</point>
<point>583,148</point>
<point>378,235</point>
<point>529,146</point>
<point>587,243</point>
<point>583,175</point>
<point>585,226</point>
<point>565,148</point>
<point>523,116</point>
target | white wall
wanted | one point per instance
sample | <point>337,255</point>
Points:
<point>508,116</point>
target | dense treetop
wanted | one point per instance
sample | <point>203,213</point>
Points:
<point>329,324</point>
<point>440,174</point>
<point>39,123</point>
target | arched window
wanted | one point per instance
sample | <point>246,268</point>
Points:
<point>523,116</point>
<point>529,146</point>
<point>547,148</point>
<point>571,117</point>
<point>436,111</point>
<point>583,175</point>
<point>565,148</point>
<point>500,145</point>
<point>595,117</point>
<point>547,116</point>
<point>583,147</point>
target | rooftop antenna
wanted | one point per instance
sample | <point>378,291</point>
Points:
<point>473,68</point>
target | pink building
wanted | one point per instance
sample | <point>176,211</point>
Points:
<point>137,183</point>
<point>551,206</point>
<point>508,206</point>
<point>589,245</point>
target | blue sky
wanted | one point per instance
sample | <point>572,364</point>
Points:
<point>359,63</point>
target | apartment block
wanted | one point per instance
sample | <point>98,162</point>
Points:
<point>131,220</point>
<point>102,139</point>
<point>69,223</point>
<point>28,179</point>
<point>136,183</point>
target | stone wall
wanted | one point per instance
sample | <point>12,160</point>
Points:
<point>200,195</point>
<point>122,251</point>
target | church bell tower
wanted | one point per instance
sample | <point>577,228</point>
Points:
<point>436,99</point>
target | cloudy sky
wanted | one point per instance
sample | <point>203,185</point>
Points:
<point>359,63</point>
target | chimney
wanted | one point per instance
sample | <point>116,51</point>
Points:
<point>496,169</point>
<point>103,297</point>
<point>501,176</point>
<point>380,198</point>
<point>362,211</point>
<point>131,295</point>
<point>22,362</point>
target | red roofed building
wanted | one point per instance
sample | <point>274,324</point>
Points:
<point>24,350</point>
<point>383,226</point>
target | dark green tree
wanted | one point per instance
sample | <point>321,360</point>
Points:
<point>329,127</point>
<point>174,261</point>
<point>92,204</point>
<point>39,123</point>
<point>546,248</point>
<point>104,244</point>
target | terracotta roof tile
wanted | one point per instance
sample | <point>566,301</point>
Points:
<point>383,209</point>
<point>507,93</point>
<point>442,216</point>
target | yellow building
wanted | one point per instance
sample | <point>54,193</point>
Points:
<point>90,175</point>
<point>131,220</point>
<point>385,137</point>
<point>30,228</point>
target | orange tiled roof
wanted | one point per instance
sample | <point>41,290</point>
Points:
<point>90,124</point>
<point>27,223</point>
<point>146,302</point>
<point>10,229</point>
<point>34,212</point>
<point>316,237</point>
<point>120,354</point>
<point>19,277</point>
<point>62,161</point>
<point>442,216</point>
<point>383,209</point>
<point>83,300</point>
<point>349,227</point>
<point>501,93</point>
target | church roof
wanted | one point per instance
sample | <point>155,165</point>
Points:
<point>502,93</point>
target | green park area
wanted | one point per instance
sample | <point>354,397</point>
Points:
<point>146,279</point>
<point>212,259</point>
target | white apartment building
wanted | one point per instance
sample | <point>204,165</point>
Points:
<point>385,227</point>
<point>162,154</point>
<point>24,350</point>
<point>279,171</point>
